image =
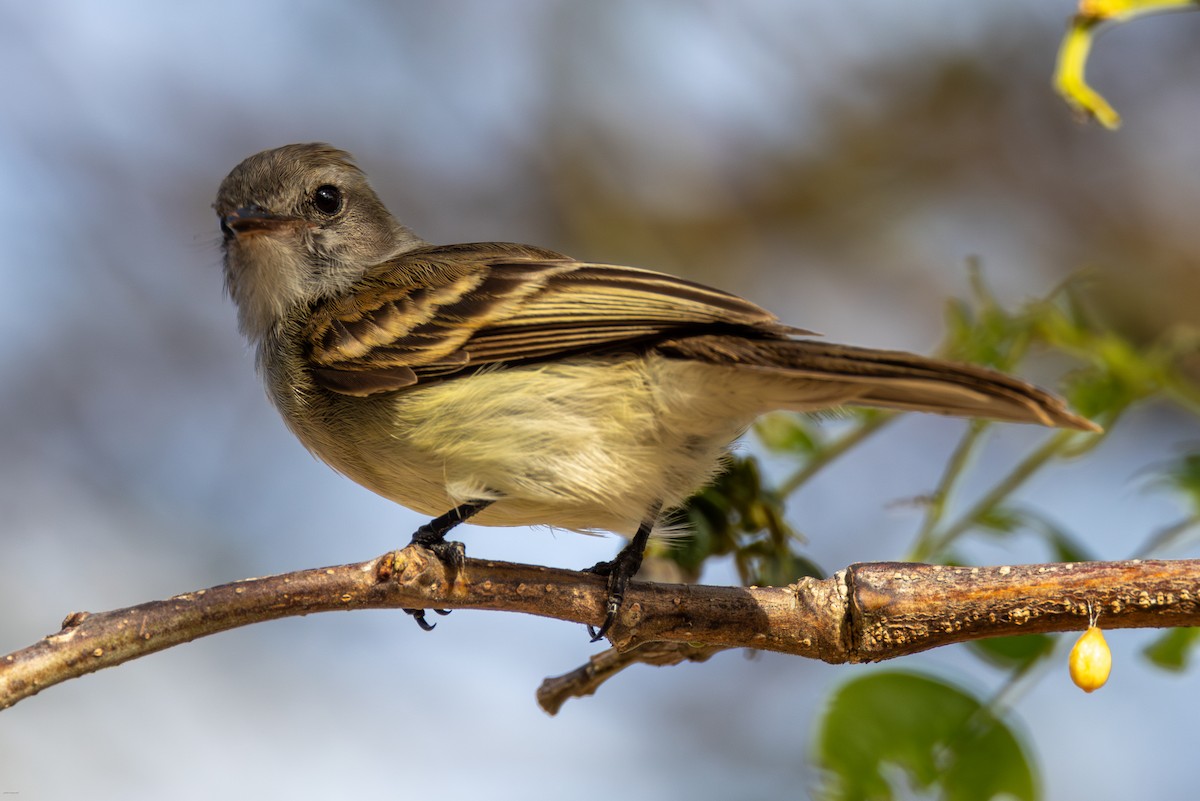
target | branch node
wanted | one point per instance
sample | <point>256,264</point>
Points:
<point>73,619</point>
<point>386,566</point>
<point>417,567</point>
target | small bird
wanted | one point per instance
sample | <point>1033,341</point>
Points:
<point>513,385</point>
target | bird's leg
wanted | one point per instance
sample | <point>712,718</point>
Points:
<point>620,570</point>
<point>432,535</point>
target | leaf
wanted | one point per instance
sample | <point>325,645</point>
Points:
<point>980,331</point>
<point>788,433</point>
<point>766,567</point>
<point>738,515</point>
<point>1183,476</point>
<point>1002,520</point>
<point>942,738</point>
<point>1012,652</point>
<point>1067,548</point>
<point>1009,519</point>
<point>1173,649</point>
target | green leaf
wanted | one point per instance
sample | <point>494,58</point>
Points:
<point>1008,519</point>
<point>1183,476</point>
<point>1173,649</point>
<point>1063,546</point>
<point>1012,652</point>
<point>769,568</point>
<point>1067,548</point>
<point>1002,520</point>
<point>941,737</point>
<point>788,433</point>
<point>738,515</point>
<point>1096,391</point>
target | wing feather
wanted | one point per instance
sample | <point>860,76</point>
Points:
<point>437,311</point>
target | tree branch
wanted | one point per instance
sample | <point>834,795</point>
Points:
<point>586,679</point>
<point>868,612</point>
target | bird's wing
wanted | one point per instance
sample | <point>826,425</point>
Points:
<point>438,311</point>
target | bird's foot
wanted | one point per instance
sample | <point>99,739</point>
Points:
<point>432,537</point>
<point>450,553</point>
<point>619,571</point>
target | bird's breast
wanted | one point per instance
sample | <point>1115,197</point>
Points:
<point>587,444</point>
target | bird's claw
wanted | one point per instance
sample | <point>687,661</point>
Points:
<point>418,615</point>
<point>619,571</point>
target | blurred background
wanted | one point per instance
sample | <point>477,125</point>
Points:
<point>838,163</point>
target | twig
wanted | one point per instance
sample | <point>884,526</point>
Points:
<point>586,679</point>
<point>936,542</point>
<point>835,449</point>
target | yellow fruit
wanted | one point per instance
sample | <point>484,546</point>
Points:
<point>1090,660</point>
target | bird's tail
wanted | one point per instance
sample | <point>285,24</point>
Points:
<point>822,374</point>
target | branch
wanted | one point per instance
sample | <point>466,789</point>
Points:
<point>586,679</point>
<point>868,612</point>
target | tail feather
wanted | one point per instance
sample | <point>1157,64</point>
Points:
<point>888,379</point>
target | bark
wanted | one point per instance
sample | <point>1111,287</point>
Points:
<point>867,612</point>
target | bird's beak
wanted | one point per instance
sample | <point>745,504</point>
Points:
<point>255,220</point>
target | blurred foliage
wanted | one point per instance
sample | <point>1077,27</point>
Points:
<point>941,737</point>
<point>1013,653</point>
<point>737,515</point>
<point>1181,478</point>
<point>740,516</point>
<point>937,736</point>
<point>1173,649</point>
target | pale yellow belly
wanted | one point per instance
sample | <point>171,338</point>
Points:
<point>565,444</point>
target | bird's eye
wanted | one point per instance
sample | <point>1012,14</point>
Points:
<point>328,199</point>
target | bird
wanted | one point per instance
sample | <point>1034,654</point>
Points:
<point>512,385</point>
